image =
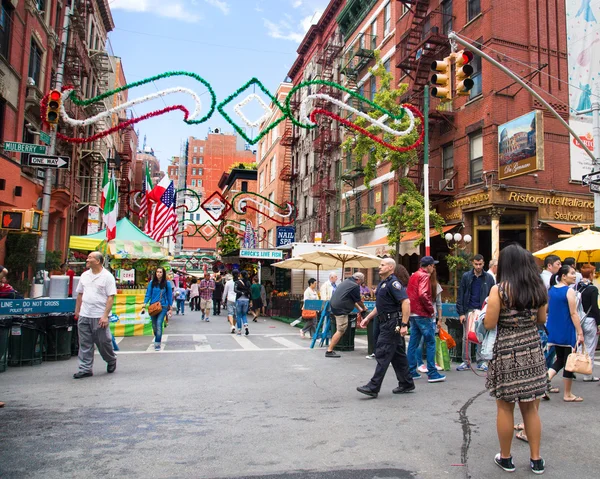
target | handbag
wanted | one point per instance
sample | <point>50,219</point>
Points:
<point>442,355</point>
<point>156,308</point>
<point>446,336</point>
<point>579,362</point>
<point>309,314</point>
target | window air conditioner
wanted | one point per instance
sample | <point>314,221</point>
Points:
<point>446,184</point>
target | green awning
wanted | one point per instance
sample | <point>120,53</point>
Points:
<point>126,230</point>
<point>125,249</point>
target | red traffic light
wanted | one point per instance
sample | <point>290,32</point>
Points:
<point>55,95</point>
<point>467,57</point>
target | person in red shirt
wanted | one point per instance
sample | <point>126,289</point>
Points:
<point>70,273</point>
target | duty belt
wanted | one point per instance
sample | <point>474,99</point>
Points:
<point>383,317</point>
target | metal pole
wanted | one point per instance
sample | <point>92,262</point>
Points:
<point>596,134</point>
<point>453,36</point>
<point>426,170</point>
<point>37,288</point>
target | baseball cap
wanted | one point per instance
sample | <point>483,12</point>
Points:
<point>428,260</point>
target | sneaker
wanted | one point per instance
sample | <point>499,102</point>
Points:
<point>81,374</point>
<point>422,369</point>
<point>366,391</point>
<point>463,367</point>
<point>438,367</point>
<point>202,316</point>
<point>207,320</point>
<point>302,335</point>
<point>370,356</point>
<point>415,375</point>
<point>505,463</point>
<point>247,331</point>
<point>157,347</point>
<point>537,466</point>
<point>232,330</point>
<point>111,368</point>
<point>482,367</point>
<point>332,354</point>
<point>436,378</point>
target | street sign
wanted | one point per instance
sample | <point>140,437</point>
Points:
<point>594,187</point>
<point>24,147</point>
<point>48,161</point>
<point>36,306</point>
<point>587,179</point>
<point>45,137</point>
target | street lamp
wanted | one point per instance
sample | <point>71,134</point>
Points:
<point>457,242</point>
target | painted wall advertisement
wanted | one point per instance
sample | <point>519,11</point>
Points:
<point>583,37</point>
<point>521,145</point>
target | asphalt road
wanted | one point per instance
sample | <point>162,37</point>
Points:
<point>266,406</point>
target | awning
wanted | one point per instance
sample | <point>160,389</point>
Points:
<point>564,227</point>
<point>380,246</point>
<point>126,230</point>
<point>125,249</point>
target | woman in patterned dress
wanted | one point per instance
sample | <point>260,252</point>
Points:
<point>517,372</point>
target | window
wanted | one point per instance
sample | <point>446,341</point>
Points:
<point>59,17</point>
<point>193,171</point>
<point>195,149</point>
<point>405,9</point>
<point>476,157</point>
<point>273,168</point>
<point>387,19</point>
<point>41,5</point>
<point>448,160</point>
<point>473,9</point>
<point>5,27</point>
<point>198,216</point>
<point>201,149</point>
<point>244,186</point>
<point>201,160</point>
<point>371,201</point>
<point>194,160</point>
<point>271,235</point>
<point>348,160</point>
<point>306,165</point>
<point>199,182</point>
<point>384,196</point>
<point>476,76</point>
<point>261,181</point>
<point>361,41</point>
<point>447,17</point>
<point>200,171</point>
<point>374,35</point>
<point>306,215</point>
<point>373,88</point>
<point>271,197</point>
<point>193,182</point>
<point>387,65</point>
<point>91,37</point>
<point>35,63</point>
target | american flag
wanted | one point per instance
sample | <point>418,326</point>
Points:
<point>163,214</point>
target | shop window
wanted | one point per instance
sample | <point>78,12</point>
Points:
<point>473,9</point>
<point>387,19</point>
<point>476,157</point>
<point>448,160</point>
<point>5,27</point>
<point>35,63</point>
<point>447,17</point>
<point>385,187</point>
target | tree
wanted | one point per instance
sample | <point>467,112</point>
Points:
<point>408,212</point>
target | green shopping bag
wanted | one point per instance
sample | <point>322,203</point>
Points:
<point>442,356</point>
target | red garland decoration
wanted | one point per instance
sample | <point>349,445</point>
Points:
<point>418,114</point>
<point>284,222</point>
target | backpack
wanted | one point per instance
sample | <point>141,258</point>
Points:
<point>580,311</point>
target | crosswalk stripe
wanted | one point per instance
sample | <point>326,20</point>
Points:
<point>201,338</point>
<point>286,342</point>
<point>245,343</point>
<point>175,351</point>
<point>361,341</point>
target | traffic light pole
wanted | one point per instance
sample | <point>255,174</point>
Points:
<point>37,288</point>
<point>426,170</point>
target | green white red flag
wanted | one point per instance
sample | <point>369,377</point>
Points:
<point>111,209</point>
<point>105,183</point>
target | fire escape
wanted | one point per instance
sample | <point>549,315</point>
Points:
<point>287,173</point>
<point>327,141</point>
<point>424,41</point>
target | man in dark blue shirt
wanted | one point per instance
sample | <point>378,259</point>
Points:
<point>392,308</point>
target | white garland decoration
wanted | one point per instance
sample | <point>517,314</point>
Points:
<point>124,106</point>
<point>252,124</point>
<point>375,122</point>
<point>267,207</point>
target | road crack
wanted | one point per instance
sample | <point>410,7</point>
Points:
<point>466,430</point>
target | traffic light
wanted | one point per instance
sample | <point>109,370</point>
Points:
<point>441,80</point>
<point>464,71</point>
<point>12,220</point>
<point>32,220</point>
<point>53,110</point>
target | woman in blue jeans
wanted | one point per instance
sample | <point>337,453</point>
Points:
<point>159,289</point>
<point>242,290</point>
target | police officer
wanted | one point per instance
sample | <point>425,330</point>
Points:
<point>392,308</point>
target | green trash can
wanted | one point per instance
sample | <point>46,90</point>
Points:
<point>26,342</point>
<point>59,332</point>
<point>74,337</point>
<point>346,343</point>
<point>5,325</point>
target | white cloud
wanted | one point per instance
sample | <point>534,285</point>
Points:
<point>176,10</point>
<point>220,4</point>
<point>311,20</point>
<point>296,3</point>
<point>282,32</point>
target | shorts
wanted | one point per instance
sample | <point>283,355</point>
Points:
<point>231,309</point>
<point>257,303</point>
<point>341,323</point>
<point>205,303</point>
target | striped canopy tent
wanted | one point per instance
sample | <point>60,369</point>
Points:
<point>126,230</point>
<point>127,249</point>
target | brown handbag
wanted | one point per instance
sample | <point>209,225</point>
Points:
<point>156,308</point>
<point>309,314</point>
<point>579,362</point>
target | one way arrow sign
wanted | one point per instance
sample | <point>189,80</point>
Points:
<point>590,177</point>
<point>48,161</point>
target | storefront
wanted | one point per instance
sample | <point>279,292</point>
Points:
<point>532,218</point>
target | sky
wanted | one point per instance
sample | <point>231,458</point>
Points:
<point>226,42</point>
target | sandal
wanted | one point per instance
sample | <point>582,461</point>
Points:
<point>519,427</point>
<point>545,397</point>
<point>573,399</point>
<point>522,436</point>
<point>553,390</point>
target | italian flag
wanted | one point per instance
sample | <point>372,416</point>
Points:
<point>111,210</point>
<point>105,183</point>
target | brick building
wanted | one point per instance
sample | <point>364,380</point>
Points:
<point>231,184</point>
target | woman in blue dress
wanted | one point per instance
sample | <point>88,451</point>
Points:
<point>159,289</point>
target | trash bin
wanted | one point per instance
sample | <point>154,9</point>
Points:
<point>5,325</point>
<point>59,332</point>
<point>74,337</point>
<point>26,341</point>
<point>346,343</point>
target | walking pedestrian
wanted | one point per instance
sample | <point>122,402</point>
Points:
<point>159,291</point>
<point>263,298</point>
<point>3,273</point>
<point>308,316</point>
<point>218,295</point>
<point>256,298</point>
<point>392,307</point>
<point>436,292</point>
<point>207,286</point>
<point>564,326</point>
<point>591,321</point>
<point>194,295</point>
<point>517,371</point>
<point>475,286</point>
<point>552,264</point>
<point>229,298</point>
<point>242,290</point>
<point>328,287</point>
<point>95,296</point>
<point>180,294</point>
<point>422,320</point>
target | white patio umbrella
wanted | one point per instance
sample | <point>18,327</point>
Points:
<point>300,262</point>
<point>342,257</point>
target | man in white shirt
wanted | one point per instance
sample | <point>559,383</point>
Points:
<point>229,297</point>
<point>328,287</point>
<point>492,268</point>
<point>95,296</point>
<point>552,264</point>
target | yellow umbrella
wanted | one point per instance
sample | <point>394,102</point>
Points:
<point>584,246</point>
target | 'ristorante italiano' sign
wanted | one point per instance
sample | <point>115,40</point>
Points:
<point>550,200</point>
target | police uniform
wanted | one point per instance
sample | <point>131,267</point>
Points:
<point>391,347</point>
